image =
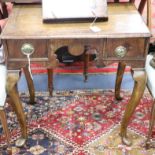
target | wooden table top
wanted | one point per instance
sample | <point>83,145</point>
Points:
<point>25,22</point>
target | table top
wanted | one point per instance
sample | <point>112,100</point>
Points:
<point>25,22</point>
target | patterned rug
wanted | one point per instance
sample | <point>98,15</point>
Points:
<point>79,123</point>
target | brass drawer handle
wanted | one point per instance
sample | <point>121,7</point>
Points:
<point>27,49</point>
<point>120,51</point>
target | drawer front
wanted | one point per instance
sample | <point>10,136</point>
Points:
<point>15,52</point>
<point>77,46</point>
<point>125,48</point>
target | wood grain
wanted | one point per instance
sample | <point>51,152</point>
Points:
<point>25,22</point>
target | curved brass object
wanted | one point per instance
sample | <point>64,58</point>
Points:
<point>120,51</point>
<point>27,49</point>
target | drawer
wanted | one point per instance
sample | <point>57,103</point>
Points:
<point>125,48</point>
<point>14,48</point>
<point>76,46</point>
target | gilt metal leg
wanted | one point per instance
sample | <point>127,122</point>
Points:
<point>50,80</point>
<point>12,91</point>
<point>119,77</point>
<point>151,124</point>
<point>30,84</point>
<point>138,90</point>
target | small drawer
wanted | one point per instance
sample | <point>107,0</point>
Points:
<point>40,50</point>
<point>125,48</point>
<point>76,46</point>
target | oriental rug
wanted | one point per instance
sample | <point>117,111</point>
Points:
<point>79,123</point>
